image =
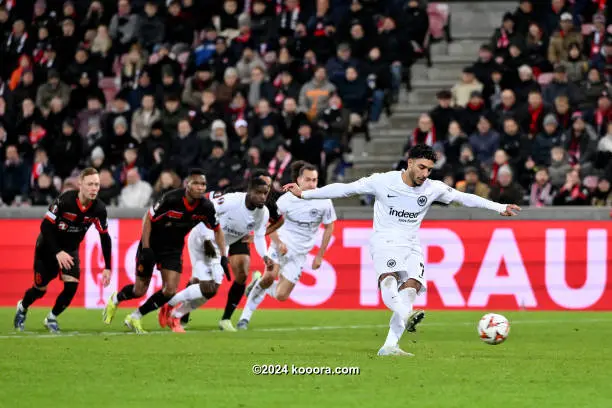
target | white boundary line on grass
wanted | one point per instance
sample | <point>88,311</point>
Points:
<point>35,335</point>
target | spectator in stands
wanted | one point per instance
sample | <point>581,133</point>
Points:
<point>245,65</point>
<point>336,66</point>
<point>561,86</point>
<point>130,161</point>
<point>485,64</point>
<point>267,142</point>
<point>353,90</point>
<point>545,141</point>
<point>572,192</point>
<point>151,30</point>
<point>186,148</point>
<point>280,168</point>
<point>167,181</point>
<point>533,115</point>
<point>500,159</point>
<point>117,140</point>
<point>196,85</point>
<point>506,190</point>
<point>144,117</point>
<point>124,27</point>
<point>109,188</point>
<point>455,139</point>
<point>14,178</point>
<point>601,114</point>
<point>443,114</point>
<point>541,190</point>
<point>523,16</point>
<point>101,49</point>
<point>580,141</point>
<point>442,167</point>
<point>559,166</point>
<point>537,48</point>
<point>507,107</point>
<point>474,110</point>
<point>44,192</point>
<point>602,61</point>
<point>155,150</point>
<point>602,196</point>
<point>219,168</point>
<point>526,84</point>
<point>563,112</point>
<point>503,36</point>
<point>53,87</point>
<point>604,145</point>
<point>259,89</point>
<point>66,150</point>
<point>314,95</point>
<point>172,113</point>
<point>561,40</point>
<point>137,193</point>
<point>515,143</point>
<point>218,133</point>
<point>576,65</point>
<point>492,92</point>
<point>462,91</point>
<point>594,41</point>
<point>225,91</point>
<point>554,15</point>
<point>307,145</point>
<point>472,183</point>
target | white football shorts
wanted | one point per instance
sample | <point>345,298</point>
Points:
<point>407,261</point>
<point>290,264</point>
<point>202,267</point>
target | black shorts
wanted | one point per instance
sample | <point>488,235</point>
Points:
<point>46,267</point>
<point>170,259</point>
<point>240,248</point>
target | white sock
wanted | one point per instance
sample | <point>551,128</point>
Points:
<point>21,308</point>
<point>114,299</point>
<point>392,299</point>
<point>188,307</point>
<point>408,296</point>
<point>272,289</point>
<point>136,314</point>
<point>255,298</point>
<point>397,326</point>
<point>51,316</point>
<point>186,295</point>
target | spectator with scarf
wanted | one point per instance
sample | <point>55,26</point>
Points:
<point>572,192</point>
<point>541,190</point>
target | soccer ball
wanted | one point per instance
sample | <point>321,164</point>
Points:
<point>493,328</point>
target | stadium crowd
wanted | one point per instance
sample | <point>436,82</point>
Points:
<point>530,122</point>
<point>143,90</point>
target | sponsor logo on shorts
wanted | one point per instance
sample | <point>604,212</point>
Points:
<point>314,212</point>
<point>422,200</point>
<point>391,263</point>
<point>250,225</point>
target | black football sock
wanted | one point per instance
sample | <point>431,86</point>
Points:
<point>31,296</point>
<point>157,300</point>
<point>126,293</point>
<point>64,298</point>
<point>233,299</point>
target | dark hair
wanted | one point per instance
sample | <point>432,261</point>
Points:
<point>298,168</point>
<point>422,151</point>
<point>262,173</point>
<point>255,182</point>
<point>196,172</point>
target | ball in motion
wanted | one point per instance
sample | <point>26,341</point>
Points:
<point>493,328</point>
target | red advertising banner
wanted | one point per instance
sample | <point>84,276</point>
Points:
<point>543,265</point>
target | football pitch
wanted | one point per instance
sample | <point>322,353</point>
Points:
<point>556,359</point>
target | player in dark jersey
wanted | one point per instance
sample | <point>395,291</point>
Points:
<point>57,247</point>
<point>240,254</point>
<point>163,239</point>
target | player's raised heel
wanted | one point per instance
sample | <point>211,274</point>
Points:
<point>256,278</point>
<point>415,318</point>
<point>393,351</point>
<point>20,317</point>
<point>52,325</point>
<point>226,325</point>
<point>109,310</point>
<point>134,324</point>
<point>243,324</point>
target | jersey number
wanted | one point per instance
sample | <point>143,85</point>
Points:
<point>422,270</point>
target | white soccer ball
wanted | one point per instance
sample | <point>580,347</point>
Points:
<point>493,328</point>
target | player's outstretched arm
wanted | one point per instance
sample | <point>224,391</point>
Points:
<point>472,200</point>
<point>335,190</point>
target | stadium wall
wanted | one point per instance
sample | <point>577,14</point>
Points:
<point>547,259</point>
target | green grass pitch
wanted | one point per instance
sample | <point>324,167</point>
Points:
<point>556,359</point>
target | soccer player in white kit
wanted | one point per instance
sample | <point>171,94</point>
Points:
<point>239,214</point>
<point>402,200</point>
<point>292,242</point>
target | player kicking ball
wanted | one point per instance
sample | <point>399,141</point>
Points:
<point>239,215</point>
<point>163,238</point>
<point>402,200</point>
<point>57,247</point>
<point>292,242</point>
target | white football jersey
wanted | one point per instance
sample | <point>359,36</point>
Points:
<point>399,209</point>
<point>236,220</point>
<point>302,221</point>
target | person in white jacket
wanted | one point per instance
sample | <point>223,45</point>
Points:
<point>402,201</point>
<point>137,193</point>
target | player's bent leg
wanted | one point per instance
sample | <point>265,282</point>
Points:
<point>256,295</point>
<point>185,318</point>
<point>128,292</point>
<point>408,292</point>
<point>71,284</point>
<point>239,264</point>
<point>284,289</point>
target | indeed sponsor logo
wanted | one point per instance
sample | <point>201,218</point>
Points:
<point>403,213</point>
